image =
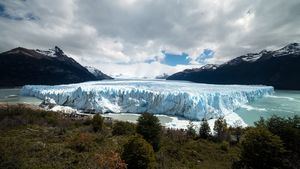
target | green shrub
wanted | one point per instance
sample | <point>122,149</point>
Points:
<point>138,154</point>
<point>149,127</point>
<point>97,123</point>
<point>123,128</point>
<point>224,146</point>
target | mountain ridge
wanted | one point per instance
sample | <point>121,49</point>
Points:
<point>279,68</point>
<point>21,66</point>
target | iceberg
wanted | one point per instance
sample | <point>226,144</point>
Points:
<point>193,101</point>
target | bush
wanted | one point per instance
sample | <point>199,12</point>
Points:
<point>149,127</point>
<point>204,131</point>
<point>177,135</point>
<point>261,149</point>
<point>224,146</point>
<point>110,160</point>
<point>18,115</point>
<point>138,154</point>
<point>97,123</point>
<point>82,142</point>
<point>123,128</point>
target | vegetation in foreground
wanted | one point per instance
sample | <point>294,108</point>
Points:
<point>34,138</point>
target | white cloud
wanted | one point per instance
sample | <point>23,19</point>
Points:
<point>119,36</point>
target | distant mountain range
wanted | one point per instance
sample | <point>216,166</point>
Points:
<point>279,68</point>
<point>21,66</point>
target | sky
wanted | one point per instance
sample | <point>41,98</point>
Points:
<point>147,38</point>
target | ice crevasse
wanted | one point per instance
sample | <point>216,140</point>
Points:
<point>193,101</point>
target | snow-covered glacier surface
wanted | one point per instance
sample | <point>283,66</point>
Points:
<point>193,101</point>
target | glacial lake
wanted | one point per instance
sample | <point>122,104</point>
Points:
<point>282,103</point>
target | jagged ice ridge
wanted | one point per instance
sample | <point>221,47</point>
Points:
<point>193,101</point>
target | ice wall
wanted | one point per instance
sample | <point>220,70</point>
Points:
<point>190,100</point>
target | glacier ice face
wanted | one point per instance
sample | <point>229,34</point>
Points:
<point>193,101</point>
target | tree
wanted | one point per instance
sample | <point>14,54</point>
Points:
<point>288,129</point>
<point>149,127</point>
<point>191,132</point>
<point>261,149</point>
<point>138,154</point>
<point>204,131</point>
<point>97,123</point>
<point>260,123</point>
<point>220,128</point>
<point>237,130</point>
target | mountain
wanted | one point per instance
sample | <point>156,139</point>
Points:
<point>21,66</point>
<point>97,73</point>
<point>279,68</point>
<point>162,76</point>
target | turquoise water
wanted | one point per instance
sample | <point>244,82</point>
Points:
<point>282,103</point>
<point>12,96</point>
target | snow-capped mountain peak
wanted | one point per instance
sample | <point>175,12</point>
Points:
<point>97,73</point>
<point>53,52</point>
<point>209,66</point>
<point>293,48</point>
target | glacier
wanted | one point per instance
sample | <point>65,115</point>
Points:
<point>193,101</point>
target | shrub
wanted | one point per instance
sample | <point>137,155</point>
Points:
<point>97,123</point>
<point>261,149</point>
<point>18,115</point>
<point>224,146</point>
<point>204,131</point>
<point>177,135</point>
<point>82,142</point>
<point>123,128</point>
<point>138,154</point>
<point>110,160</point>
<point>149,127</point>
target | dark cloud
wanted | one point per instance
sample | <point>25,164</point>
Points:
<point>13,16</point>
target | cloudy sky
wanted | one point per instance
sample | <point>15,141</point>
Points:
<point>145,38</point>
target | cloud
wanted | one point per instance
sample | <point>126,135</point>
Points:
<point>128,35</point>
<point>206,54</point>
<point>9,14</point>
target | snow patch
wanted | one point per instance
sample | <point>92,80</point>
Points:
<point>50,52</point>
